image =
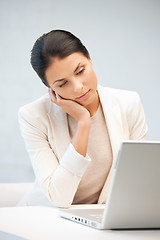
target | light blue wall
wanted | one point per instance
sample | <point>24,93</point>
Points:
<point>122,36</point>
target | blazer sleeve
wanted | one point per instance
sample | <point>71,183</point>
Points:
<point>59,179</point>
<point>136,119</point>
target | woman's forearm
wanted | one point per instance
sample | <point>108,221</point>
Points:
<point>80,139</point>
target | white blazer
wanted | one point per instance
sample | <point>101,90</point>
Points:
<point>57,166</point>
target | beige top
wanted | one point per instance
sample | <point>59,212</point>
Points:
<point>99,150</point>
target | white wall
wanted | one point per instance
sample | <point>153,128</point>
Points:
<point>122,37</point>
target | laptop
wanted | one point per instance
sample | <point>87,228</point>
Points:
<point>133,200</point>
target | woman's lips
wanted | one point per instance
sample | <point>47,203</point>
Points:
<point>84,95</point>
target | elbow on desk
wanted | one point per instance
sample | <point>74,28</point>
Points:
<point>61,203</point>
<point>58,199</point>
<point>64,205</point>
<point>59,194</point>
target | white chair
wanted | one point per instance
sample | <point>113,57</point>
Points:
<point>11,193</point>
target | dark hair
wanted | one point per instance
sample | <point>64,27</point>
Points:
<point>57,43</point>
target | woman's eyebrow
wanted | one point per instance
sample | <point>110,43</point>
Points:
<point>63,78</point>
<point>58,80</point>
<point>77,67</point>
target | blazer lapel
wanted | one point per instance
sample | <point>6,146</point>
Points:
<point>112,116</point>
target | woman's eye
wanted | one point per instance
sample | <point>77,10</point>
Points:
<point>80,71</point>
<point>63,84</point>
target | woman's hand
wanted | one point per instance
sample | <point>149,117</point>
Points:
<point>74,109</point>
<point>81,116</point>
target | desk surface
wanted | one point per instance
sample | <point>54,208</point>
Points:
<point>44,223</point>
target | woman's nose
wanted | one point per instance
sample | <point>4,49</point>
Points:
<point>78,85</point>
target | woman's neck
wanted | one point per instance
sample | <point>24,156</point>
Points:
<point>92,108</point>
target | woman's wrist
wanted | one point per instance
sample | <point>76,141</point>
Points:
<point>84,123</point>
<point>80,139</point>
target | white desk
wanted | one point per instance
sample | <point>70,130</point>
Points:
<point>44,223</point>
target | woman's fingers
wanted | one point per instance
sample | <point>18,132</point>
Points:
<point>54,97</point>
<point>57,97</point>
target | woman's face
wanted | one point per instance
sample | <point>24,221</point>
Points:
<point>73,78</point>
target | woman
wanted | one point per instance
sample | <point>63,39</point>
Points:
<point>73,133</point>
